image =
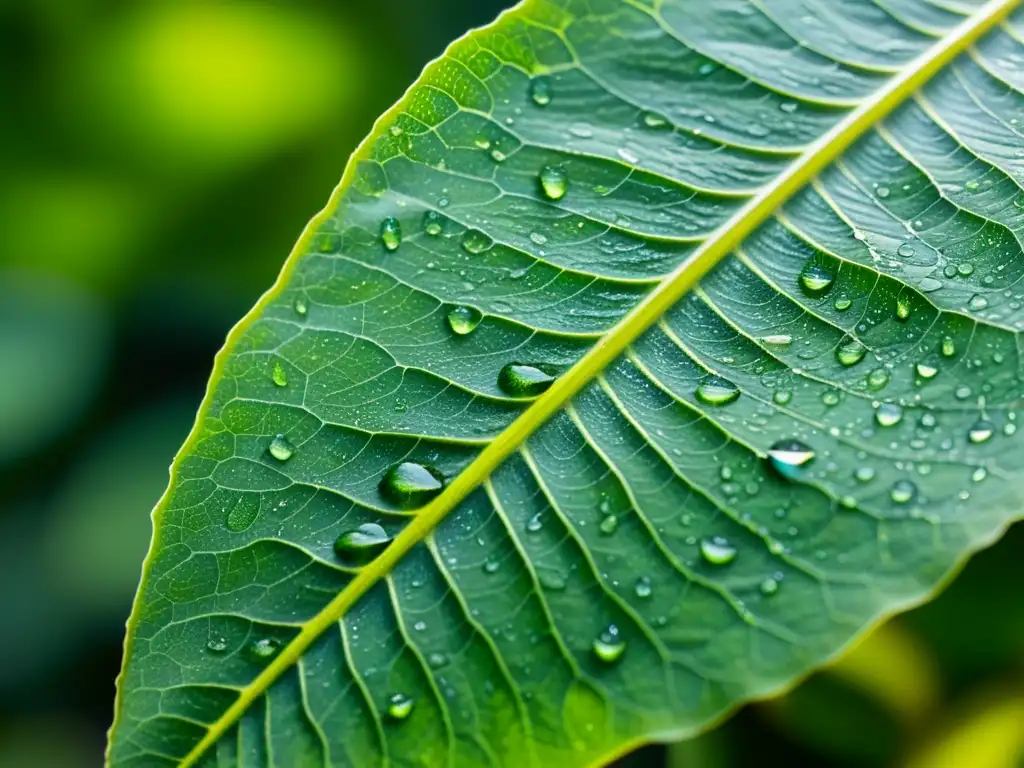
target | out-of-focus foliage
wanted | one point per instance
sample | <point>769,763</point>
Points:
<point>159,160</point>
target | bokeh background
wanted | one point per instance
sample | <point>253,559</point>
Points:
<point>157,162</point>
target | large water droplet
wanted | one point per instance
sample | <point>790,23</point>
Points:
<point>474,241</point>
<point>850,352</point>
<point>279,375</point>
<point>815,278</point>
<point>789,457</point>
<point>540,91</point>
<point>902,491</point>
<point>464,320</point>
<point>262,650</point>
<point>981,431</point>
<point>609,646</point>
<point>410,485</point>
<point>553,181</point>
<point>717,550</point>
<point>400,706</point>
<point>360,545</point>
<point>888,414</point>
<point>391,233</point>
<point>714,390</point>
<point>523,380</point>
<point>280,448</point>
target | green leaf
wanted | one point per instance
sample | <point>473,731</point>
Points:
<point>666,490</point>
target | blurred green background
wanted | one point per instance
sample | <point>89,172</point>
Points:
<point>157,162</point>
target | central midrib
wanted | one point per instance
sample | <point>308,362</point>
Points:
<point>727,237</point>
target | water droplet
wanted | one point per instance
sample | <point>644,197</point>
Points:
<point>301,308</point>
<point>265,648</point>
<point>965,269</point>
<point>905,249</point>
<point>491,566</point>
<point>769,586</point>
<point>981,431</point>
<point>850,352</point>
<point>609,525</point>
<point>788,457</point>
<point>877,379</point>
<point>948,347</point>
<point>643,587</point>
<point>979,474</point>
<point>903,307</point>
<point>464,320</point>
<point>410,485</point>
<point>609,646</point>
<point>815,279</point>
<point>714,390</point>
<point>777,340</point>
<point>391,233</point>
<point>864,474</point>
<point>540,91</point>
<point>977,303</point>
<point>474,241</point>
<point>553,181</point>
<point>360,545</point>
<point>654,120</point>
<point>882,192</point>
<point>400,706</point>
<point>926,371</point>
<point>902,491</point>
<point>280,448</point>
<point>888,414</point>
<point>842,303</point>
<point>523,380</point>
<point>782,396</point>
<point>217,644</point>
<point>279,375</point>
<point>433,223</point>
<point>717,550</point>
<point>534,524</point>
<point>830,397</point>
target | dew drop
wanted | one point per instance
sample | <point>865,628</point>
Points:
<point>280,448</point>
<point>433,223</point>
<point>948,347</point>
<point>977,303</point>
<point>815,279</point>
<point>882,192</point>
<point>850,352</point>
<point>777,340</point>
<point>609,525</point>
<point>360,545</point>
<point>864,474</point>
<point>981,431</point>
<point>654,120</point>
<point>902,491</point>
<point>717,550</point>
<point>714,390</point>
<point>643,587</point>
<point>391,233</point>
<point>888,414</point>
<point>400,706</point>
<point>217,644</point>
<point>300,306</point>
<point>553,181</point>
<point>926,371</point>
<point>474,241</point>
<point>903,307</point>
<point>464,320</point>
<point>965,269</point>
<point>409,485</point>
<point>842,303</point>
<point>877,379</point>
<point>830,397</point>
<point>524,380</point>
<point>609,646</point>
<point>789,457</point>
<point>279,375</point>
<point>769,586</point>
<point>540,91</point>
<point>782,396</point>
<point>262,650</point>
<point>534,524</point>
<point>905,250</point>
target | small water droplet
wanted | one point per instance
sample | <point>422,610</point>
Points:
<point>217,644</point>
<point>409,485</point>
<point>553,181</point>
<point>400,706</point>
<point>361,545</point>
<point>977,303</point>
<point>433,223</point>
<point>877,379</point>
<point>905,250</point>
<point>524,380</point>
<point>769,586</point>
<point>609,646</point>
<point>301,308</point>
<point>280,448</point>
<point>717,550</point>
<point>534,524</point>
<point>815,279</point>
<point>391,233</point>
<point>777,340</point>
<point>279,375</point>
<point>902,491</point>
<point>491,566</point>
<point>926,371</point>
<point>654,120</point>
<point>981,431</point>
<point>888,414</point>
<point>609,525</point>
<point>264,649</point>
<point>842,303</point>
<point>643,587</point>
<point>903,307</point>
<point>782,396</point>
<point>540,91</point>
<point>474,241</point>
<point>948,347</point>
<point>965,269</point>
<point>882,192</point>
<point>714,390</point>
<point>464,320</point>
<point>850,352</point>
<point>864,474</point>
<point>789,456</point>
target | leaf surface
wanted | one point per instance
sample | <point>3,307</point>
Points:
<point>734,471</point>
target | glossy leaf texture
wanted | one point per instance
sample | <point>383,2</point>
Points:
<point>811,439</point>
